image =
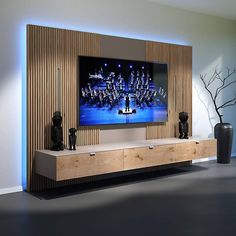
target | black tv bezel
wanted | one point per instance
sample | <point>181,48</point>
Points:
<point>118,124</point>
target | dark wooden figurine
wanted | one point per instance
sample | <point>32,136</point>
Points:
<point>72,138</point>
<point>183,125</point>
<point>57,132</point>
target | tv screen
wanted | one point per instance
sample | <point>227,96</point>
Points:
<point>117,91</point>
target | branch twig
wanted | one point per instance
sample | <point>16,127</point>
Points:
<point>224,84</point>
<point>228,103</point>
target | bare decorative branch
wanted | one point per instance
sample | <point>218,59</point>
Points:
<point>225,83</point>
<point>228,103</point>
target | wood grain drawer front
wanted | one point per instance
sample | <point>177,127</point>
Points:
<point>159,155</point>
<point>206,148</point>
<point>89,164</point>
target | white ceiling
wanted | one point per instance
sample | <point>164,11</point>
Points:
<point>221,8</point>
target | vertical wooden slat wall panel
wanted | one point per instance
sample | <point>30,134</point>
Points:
<point>159,52</point>
<point>52,53</point>
<point>187,95</point>
<point>179,59</point>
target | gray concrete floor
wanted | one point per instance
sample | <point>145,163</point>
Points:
<point>198,201</point>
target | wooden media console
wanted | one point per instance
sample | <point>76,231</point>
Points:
<point>100,159</point>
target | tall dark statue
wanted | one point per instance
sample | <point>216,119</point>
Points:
<point>72,138</point>
<point>57,132</point>
<point>183,125</point>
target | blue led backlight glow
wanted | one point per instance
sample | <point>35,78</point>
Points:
<point>23,107</point>
<point>106,31</point>
<point>95,29</point>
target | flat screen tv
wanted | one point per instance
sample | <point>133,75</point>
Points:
<point>117,91</point>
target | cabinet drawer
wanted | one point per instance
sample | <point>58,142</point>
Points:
<point>159,155</point>
<point>206,148</point>
<point>88,164</point>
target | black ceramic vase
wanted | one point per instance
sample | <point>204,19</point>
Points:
<point>224,135</point>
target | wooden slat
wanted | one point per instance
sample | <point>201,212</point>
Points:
<point>187,95</point>
<point>179,59</point>
<point>51,52</point>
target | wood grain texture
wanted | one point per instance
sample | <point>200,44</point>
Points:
<point>206,148</point>
<point>83,165</point>
<point>77,165</point>
<point>53,53</point>
<point>88,136</point>
<point>179,59</point>
<point>166,154</point>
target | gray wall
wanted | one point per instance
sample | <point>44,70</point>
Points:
<point>212,38</point>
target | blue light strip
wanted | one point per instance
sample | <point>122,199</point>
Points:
<point>24,109</point>
<point>105,31</point>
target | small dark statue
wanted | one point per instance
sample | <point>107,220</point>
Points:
<point>183,125</point>
<point>56,132</point>
<point>72,138</point>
